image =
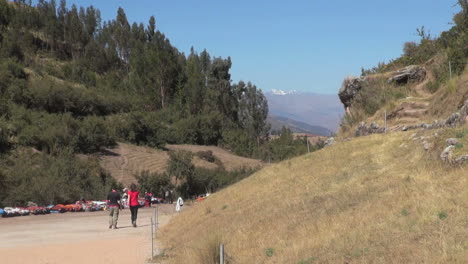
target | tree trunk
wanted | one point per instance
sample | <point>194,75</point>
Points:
<point>162,96</point>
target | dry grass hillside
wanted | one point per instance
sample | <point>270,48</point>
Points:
<point>125,160</point>
<point>374,199</point>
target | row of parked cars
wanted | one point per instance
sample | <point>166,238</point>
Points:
<point>90,206</point>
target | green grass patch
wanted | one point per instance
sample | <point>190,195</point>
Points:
<point>404,212</point>
<point>308,260</point>
<point>442,215</point>
<point>269,252</point>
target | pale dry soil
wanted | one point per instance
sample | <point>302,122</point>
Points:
<point>84,237</point>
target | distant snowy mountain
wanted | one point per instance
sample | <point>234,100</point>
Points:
<point>281,92</point>
<point>322,110</point>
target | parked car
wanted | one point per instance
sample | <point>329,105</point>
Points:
<point>36,210</point>
<point>157,200</point>
<point>10,211</point>
<point>2,212</point>
<point>59,208</point>
<point>24,211</point>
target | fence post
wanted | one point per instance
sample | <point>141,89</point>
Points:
<point>156,219</point>
<point>308,149</point>
<point>152,238</point>
<point>385,120</point>
<point>221,254</point>
<point>450,69</point>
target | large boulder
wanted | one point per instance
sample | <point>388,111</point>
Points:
<point>349,89</point>
<point>412,73</point>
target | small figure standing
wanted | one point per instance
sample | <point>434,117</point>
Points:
<point>133,195</point>
<point>166,196</point>
<point>113,203</point>
<point>179,204</point>
<point>125,198</point>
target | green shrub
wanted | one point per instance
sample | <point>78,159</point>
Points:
<point>461,134</point>
<point>53,133</point>
<point>4,136</point>
<point>50,180</point>
<point>156,183</point>
<point>442,215</point>
<point>404,212</point>
<point>49,96</point>
<point>308,260</point>
<point>269,252</point>
<point>142,128</point>
<point>206,155</point>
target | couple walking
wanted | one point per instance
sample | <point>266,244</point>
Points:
<point>115,205</point>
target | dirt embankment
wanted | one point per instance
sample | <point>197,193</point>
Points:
<point>126,160</point>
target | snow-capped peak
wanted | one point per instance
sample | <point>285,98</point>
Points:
<point>281,92</point>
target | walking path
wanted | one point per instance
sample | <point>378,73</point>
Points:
<point>410,111</point>
<point>77,238</point>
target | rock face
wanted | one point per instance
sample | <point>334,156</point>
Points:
<point>329,142</point>
<point>412,73</point>
<point>462,159</point>
<point>364,129</point>
<point>458,118</point>
<point>349,89</point>
<point>451,141</point>
<point>446,155</point>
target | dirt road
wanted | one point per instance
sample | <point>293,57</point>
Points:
<point>77,238</point>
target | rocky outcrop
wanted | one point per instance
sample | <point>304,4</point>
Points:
<point>364,129</point>
<point>412,73</point>
<point>446,155</point>
<point>462,159</point>
<point>458,118</point>
<point>330,141</point>
<point>451,141</point>
<point>349,89</point>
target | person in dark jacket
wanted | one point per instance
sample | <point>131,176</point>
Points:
<point>113,203</point>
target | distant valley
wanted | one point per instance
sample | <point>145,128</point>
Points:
<point>304,112</point>
<point>277,122</point>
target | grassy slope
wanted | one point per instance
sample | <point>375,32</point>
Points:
<point>125,160</point>
<point>376,199</point>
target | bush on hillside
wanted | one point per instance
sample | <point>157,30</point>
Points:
<point>4,136</point>
<point>202,130</point>
<point>285,147</point>
<point>141,128</point>
<point>53,133</point>
<point>156,183</point>
<point>239,142</point>
<point>209,180</point>
<point>47,95</point>
<point>46,179</point>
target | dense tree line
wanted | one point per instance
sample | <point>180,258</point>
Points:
<point>71,83</point>
<point>128,75</point>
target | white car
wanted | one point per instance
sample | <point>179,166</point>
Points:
<point>10,211</point>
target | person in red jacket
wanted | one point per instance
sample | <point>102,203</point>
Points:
<point>133,195</point>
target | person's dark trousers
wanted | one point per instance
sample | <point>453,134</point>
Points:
<point>134,212</point>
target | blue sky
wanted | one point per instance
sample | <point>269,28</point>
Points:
<point>291,45</point>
